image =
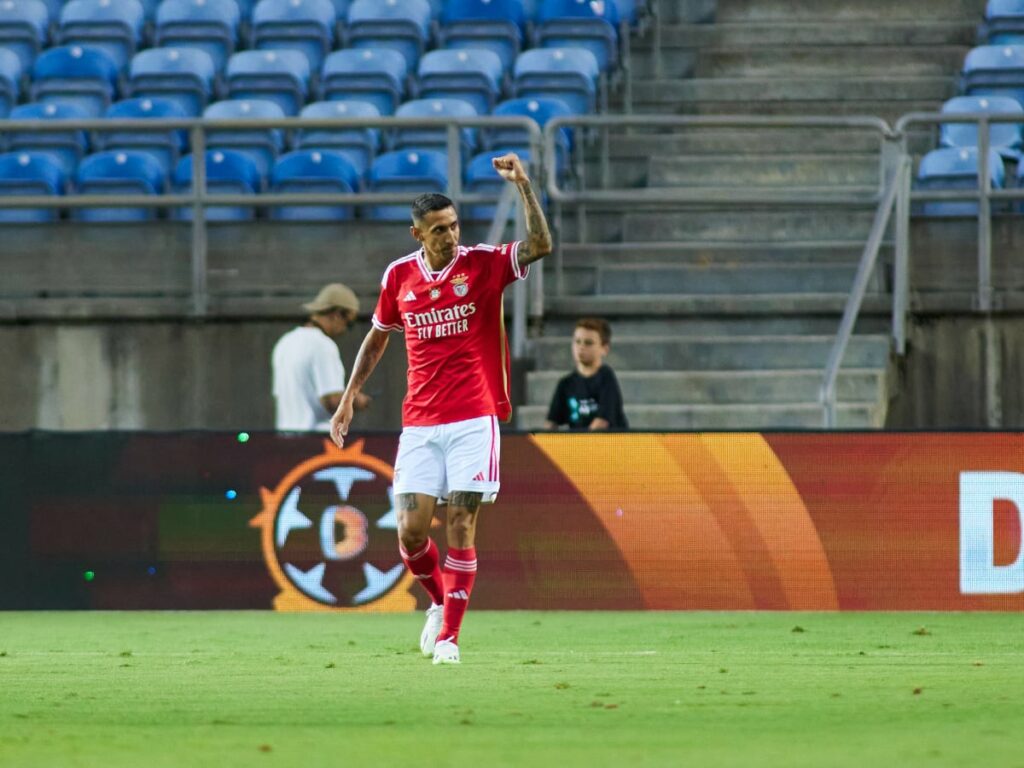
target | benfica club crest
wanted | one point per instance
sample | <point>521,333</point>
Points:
<point>459,285</point>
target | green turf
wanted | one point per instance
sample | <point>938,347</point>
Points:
<point>535,689</point>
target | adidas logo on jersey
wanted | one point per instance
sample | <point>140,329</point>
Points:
<point>410,296</point>
<point>479,476</point>
<point>458,594</point>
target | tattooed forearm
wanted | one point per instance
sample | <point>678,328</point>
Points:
<point>407,502</point>
<point>469,500</point>
<point>538,236</point>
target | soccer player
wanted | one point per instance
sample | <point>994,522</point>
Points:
<point>447,299</point>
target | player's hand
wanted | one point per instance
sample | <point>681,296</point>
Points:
<point>340,421</point>
<point>510,168</point>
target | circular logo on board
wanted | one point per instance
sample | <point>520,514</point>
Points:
<point>328,535</point>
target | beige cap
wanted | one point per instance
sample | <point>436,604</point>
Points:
<point>333,296</point>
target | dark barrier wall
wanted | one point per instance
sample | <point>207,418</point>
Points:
<point>664,521</point>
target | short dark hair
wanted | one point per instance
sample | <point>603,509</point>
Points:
<point>428,202</point>
<point>597,324</point>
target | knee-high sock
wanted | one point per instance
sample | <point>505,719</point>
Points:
<point>424,566</point>
<point>459,575</point>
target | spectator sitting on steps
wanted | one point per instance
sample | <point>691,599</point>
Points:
<point>589,397</point>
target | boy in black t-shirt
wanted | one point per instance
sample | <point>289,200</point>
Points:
<point>589,397</point>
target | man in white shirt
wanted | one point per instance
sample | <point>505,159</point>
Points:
<point>309,376</point>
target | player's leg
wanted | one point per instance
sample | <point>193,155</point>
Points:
<point>419,475</point>
<point>472,471</point>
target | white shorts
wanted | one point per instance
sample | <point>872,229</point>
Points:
<point>461,456</point>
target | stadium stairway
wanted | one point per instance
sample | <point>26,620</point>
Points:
<point>723,318</point>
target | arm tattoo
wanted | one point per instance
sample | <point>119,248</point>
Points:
<point>538,236</point>
<point>469,500</point>
<point>407,502</point>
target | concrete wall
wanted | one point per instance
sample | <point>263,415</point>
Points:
<point>163,375</point>
<point>961,372</point>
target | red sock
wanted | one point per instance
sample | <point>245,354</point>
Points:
<point>423,565</point>
<point>459,575</point>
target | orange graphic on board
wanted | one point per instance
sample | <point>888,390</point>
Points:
<point>703,521</point>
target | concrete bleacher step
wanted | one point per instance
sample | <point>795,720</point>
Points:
<point>775,170</point>
<point>843,10</point>
<point>750,226</point>
<point>923,31</point>
<point>658,279</point>
<point>830,61</point>
<point>728,417</point>
<point>743,90</point>
<point>723,387</point>
<point>679,305</point>
<point>698,141</point>
<point>724,353</point>
<point>703,326</point>
<point>593,255</point>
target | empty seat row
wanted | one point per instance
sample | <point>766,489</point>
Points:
<point>358,145</point>
<point>1004,22</point>
<point>230,172</point>
<point>994,70</point>
<point>86,78</point>
<point>311,27</point>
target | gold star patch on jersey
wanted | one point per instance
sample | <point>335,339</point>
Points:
<point>459,285</point>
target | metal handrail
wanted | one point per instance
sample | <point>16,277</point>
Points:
<point>860,285</point>
<point>199,198</point>
<point>983,193</point>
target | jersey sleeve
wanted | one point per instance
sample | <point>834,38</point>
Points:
<point>386,316</point>
<point>506,258</point>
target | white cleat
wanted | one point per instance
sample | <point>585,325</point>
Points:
<point>446,652</point>
<point>435,616</point>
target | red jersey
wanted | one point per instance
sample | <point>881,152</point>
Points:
<point>454,324</point>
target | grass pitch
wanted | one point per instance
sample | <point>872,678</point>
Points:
<point>534,689</point>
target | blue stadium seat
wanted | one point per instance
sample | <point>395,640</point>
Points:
<point>374,75</point>
<point>955,168</point>
<point>53,7</point>
<point>10,81</point>
<point>310,170</point>
<point>496,25</point>
<point>540,110</point>
<point>24,29</point>
<point>209,25</point>
<point>434,138</point>
<point>184,75</point>
<point>568,74</point>
<point>1006,138</point>
<point>1004,22</point>
<point>995,70</point>
<point>481,178</point>
<point>473,75</point>
<point>306,26</point>
<point>29,173</point>
<point>73,74</point>
<point>280,76</point>
<point>118,173</point>
<point>627,11</point>
<point>164,146</point>
<point>413,172</point>
<point>227,173</point>
<point>260,146</point>
<point>357,145</point>
<point>112,26</point>
<point>581,23</point>
<point>64,148</point>
<point>403,25</point>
